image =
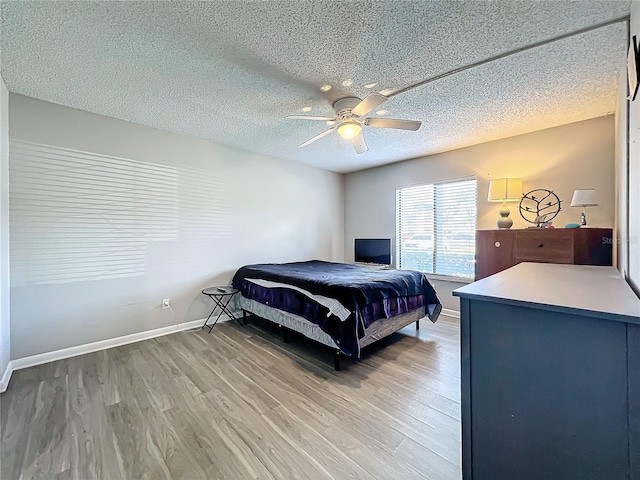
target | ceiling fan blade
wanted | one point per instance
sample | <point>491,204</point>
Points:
<point>359,144</point>
<point>317,137</point>
<point>306,117</point>
<point>370,102</point>
<point>393,123</point>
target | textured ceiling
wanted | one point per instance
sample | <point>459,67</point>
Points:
<point>230,72</point>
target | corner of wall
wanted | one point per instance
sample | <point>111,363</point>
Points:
<point>5,339</point>
<point>630,207</point>
<point>6,377</point>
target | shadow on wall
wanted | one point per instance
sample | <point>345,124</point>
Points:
<point>79,216</point>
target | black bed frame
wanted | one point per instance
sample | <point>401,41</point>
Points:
<point>285,337</point>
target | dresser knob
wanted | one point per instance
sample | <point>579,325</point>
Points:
<point>540,246</point>
<point>497,244</point>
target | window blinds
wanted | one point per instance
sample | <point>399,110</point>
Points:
<point>435,225</point>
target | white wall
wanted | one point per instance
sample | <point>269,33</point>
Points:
<point>634,171</point>
<point>578,155</point>
<point>109,217</point>
<point>5,348</point>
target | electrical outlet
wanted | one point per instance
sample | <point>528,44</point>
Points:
<point>166,304</point>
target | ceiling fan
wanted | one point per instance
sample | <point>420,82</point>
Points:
<point>348,121</point>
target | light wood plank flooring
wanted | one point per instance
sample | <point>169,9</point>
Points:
<point>239,404</point>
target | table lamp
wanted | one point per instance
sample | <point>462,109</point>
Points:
<point>584,198</point>
<point>505,190</point>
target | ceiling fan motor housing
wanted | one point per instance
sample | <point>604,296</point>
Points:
<point>344,106</point>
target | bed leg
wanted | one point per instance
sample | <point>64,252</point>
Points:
<point>336,360</point>
<point>244,317</point>
<point>417,324</point>
<point>285,334</point>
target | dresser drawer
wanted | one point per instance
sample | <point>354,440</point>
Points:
<point>494,251</point>
<point>547,246</point>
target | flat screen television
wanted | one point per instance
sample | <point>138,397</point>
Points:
<point>373,250</point>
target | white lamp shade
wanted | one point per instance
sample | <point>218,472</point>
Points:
<point>505,190</point>
<point>584,198</point>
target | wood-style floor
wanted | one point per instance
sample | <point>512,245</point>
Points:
<point>239,404</point>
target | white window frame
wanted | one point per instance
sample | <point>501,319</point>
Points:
<point>433,232</point>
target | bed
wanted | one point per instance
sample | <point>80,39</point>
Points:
<point>343,306</point>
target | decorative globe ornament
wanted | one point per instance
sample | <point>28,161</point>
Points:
<point>540,207</point>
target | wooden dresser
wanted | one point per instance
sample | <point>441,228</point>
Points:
<point>550,374</point>
<point>497,250</point>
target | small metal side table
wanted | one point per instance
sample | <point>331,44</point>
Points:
<point>221,297</point>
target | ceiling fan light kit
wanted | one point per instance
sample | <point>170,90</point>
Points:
<point>348,122</point>
<point>349,129</point>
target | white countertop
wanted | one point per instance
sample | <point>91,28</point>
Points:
<point>592,290</point>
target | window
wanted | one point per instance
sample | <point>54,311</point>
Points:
<point>436,228</point>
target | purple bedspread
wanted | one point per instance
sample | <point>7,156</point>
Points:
<point>370,294</point>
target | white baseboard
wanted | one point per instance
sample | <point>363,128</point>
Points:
<point>450,313</point>
<point>6,376</point>
<point>55,355</point>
